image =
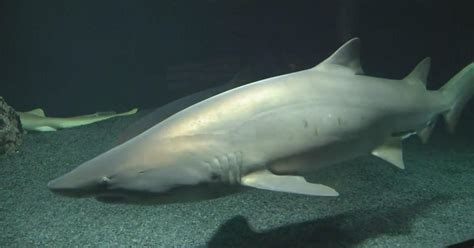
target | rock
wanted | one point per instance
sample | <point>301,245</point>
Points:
<point>11,132</point>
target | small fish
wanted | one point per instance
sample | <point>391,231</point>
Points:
<point>36,120</point>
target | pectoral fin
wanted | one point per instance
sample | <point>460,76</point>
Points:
<point>290,184</point>
<point>391,151</point>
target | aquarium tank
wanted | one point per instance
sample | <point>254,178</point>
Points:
<point>239,123</point>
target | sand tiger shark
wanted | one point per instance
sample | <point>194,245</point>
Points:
<point>271,133</point>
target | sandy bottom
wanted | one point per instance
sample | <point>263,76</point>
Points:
<point>430,204</point>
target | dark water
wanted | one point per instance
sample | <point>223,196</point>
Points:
<point>81,57</point>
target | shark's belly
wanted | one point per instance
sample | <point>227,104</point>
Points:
<point>310,134</point>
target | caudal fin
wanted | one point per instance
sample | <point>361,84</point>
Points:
<point>458,90</point>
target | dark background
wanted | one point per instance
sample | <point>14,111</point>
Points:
<point>76,57</point>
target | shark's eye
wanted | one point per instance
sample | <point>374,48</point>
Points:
<point>104,181</point>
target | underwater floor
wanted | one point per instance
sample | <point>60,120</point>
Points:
<point>429,204</point>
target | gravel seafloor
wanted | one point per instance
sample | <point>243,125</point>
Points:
<point>429,204</point>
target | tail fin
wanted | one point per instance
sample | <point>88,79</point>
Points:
<point>458,90</point>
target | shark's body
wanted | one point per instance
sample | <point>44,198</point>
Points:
<point>269,133</point>
<point>160,114</point>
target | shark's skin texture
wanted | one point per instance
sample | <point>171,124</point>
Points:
<point>36,120</point>
<point>163,112</point>
<point>270,133</point>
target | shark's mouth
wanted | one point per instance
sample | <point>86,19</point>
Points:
<point>182,194</point>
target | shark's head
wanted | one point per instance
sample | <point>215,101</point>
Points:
<point>138,172</point>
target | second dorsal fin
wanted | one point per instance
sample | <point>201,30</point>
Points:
<point>419,74</point>
<point>344,60</point>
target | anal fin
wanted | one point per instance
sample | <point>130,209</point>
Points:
<point>391,151</point>
<point>290,184</point>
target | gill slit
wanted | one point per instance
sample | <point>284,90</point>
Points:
<point>228,166</point>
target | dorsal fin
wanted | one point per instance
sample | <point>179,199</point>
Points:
<point>37,111</point>
<point>344,60</point>
<point>419,75</point>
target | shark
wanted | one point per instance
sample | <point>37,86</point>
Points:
<point>272,133</point>
<point>163,112</point>
<point>36,119</point>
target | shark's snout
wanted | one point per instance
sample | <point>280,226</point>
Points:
<point>136,172</point>
<point>88,179</point>
<point>64,186</point>
<point>57,187</point>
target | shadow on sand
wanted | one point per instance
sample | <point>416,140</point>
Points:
<point>344,230</point>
